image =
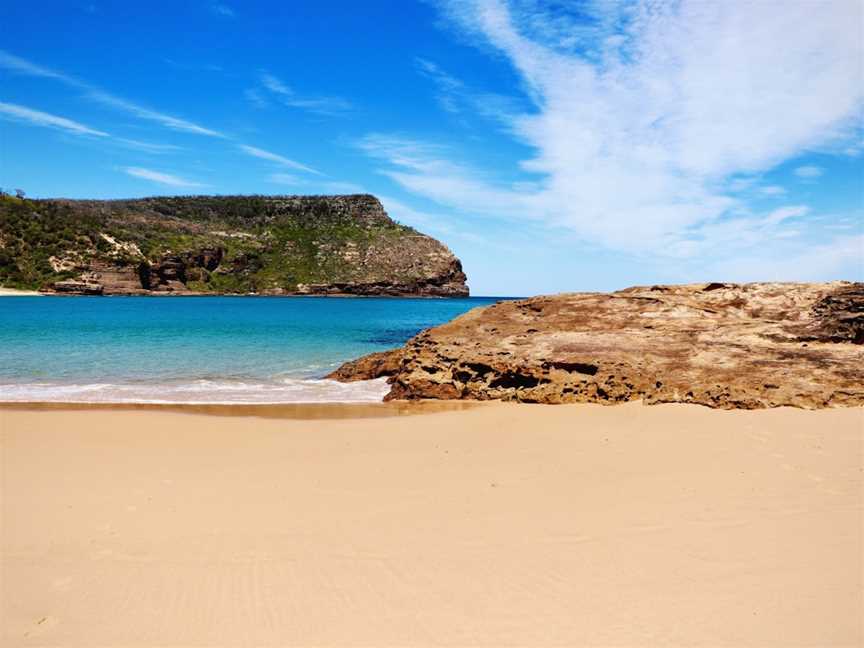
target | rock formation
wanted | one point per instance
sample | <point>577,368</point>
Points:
<point>369,367</point>
<point>721,345</point>
<point>275,245</point>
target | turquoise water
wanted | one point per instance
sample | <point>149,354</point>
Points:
<point>201,349</point>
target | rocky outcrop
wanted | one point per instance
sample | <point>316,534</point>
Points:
<point>721,345</point>
<point>447,283</point>
<point>375,365</point>
<point>272,245</point>
<point>78,287</point>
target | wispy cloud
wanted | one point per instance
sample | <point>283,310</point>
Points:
<point>174,123</point>
<point>428,169</point>
<point>284,94</point>
<point>162,178</point>
<point>254,96</point>
<point>147,147</point>
<point>24,114</point>
<point>285,179</point>
<point>39,118</point>
<point>274,157</point>
<point>21,66</point>
<point>223,10</point>
<point>275,85</point>
<point>456,97</point>
<point>785,213</point>
<point>772,190</point>
<point>808,172</point>
<point>449,87</point>
<point>645,112</point>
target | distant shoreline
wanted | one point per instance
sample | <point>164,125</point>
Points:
<point>15,292</point>
<point>325,410</point>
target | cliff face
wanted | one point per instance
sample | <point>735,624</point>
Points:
<point>721,345</point>
<point>322,245</point>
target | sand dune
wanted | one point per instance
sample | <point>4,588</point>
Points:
<point>498,525</point>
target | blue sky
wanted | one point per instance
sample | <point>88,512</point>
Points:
<point>553,146</point>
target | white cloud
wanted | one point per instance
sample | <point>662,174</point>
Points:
<point>328,106</point>
<point>161,178</point>
<point>22,66</point>
<point>643,119</point>
<point>784,213</point>
<point>808,172</point>
<point>39,118</point>
<point>174,123</point>
<point>275,85</point>
<point>449,87</point>
<point>147,147</point>
<point>772,190</point>
<point>427,169</point>
<point>440,224</point>
<point>278,159</point>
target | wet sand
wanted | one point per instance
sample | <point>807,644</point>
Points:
<point>492,525</point>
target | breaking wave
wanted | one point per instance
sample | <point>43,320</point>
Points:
<point>202,391</point>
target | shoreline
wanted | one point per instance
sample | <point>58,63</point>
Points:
<point>330,410</point>
<point>349,410</point>
<point>499,524</point>
<point>15,292</point>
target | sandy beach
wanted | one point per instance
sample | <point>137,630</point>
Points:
<point>14,292</point>
<point>493,525</point>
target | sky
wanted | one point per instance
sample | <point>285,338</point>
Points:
<point>552,145</point>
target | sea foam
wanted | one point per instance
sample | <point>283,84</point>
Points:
<point>207,391</point>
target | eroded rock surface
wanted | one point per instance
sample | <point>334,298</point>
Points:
<point>375,365</point>
<point>721,345</point>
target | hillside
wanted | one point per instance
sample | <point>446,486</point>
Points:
<point>220,244</point>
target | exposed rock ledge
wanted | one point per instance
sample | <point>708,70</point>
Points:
<point>722,345</point>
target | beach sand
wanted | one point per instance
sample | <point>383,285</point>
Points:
<point>14,292</point>
<point>493,525</point>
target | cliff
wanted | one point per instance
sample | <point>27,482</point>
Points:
<point>274,245</point>
<point>722,345</point>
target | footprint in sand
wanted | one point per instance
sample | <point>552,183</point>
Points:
<point>42,626</point>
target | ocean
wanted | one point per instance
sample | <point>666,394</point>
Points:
<point>202,349</point>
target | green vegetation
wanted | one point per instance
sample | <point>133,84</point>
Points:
<point>265,242</point>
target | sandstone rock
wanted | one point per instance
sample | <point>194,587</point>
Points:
<point>77,287</point>
<point>721,345</point>
<point>369,367</point>
<point>117,279</point>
